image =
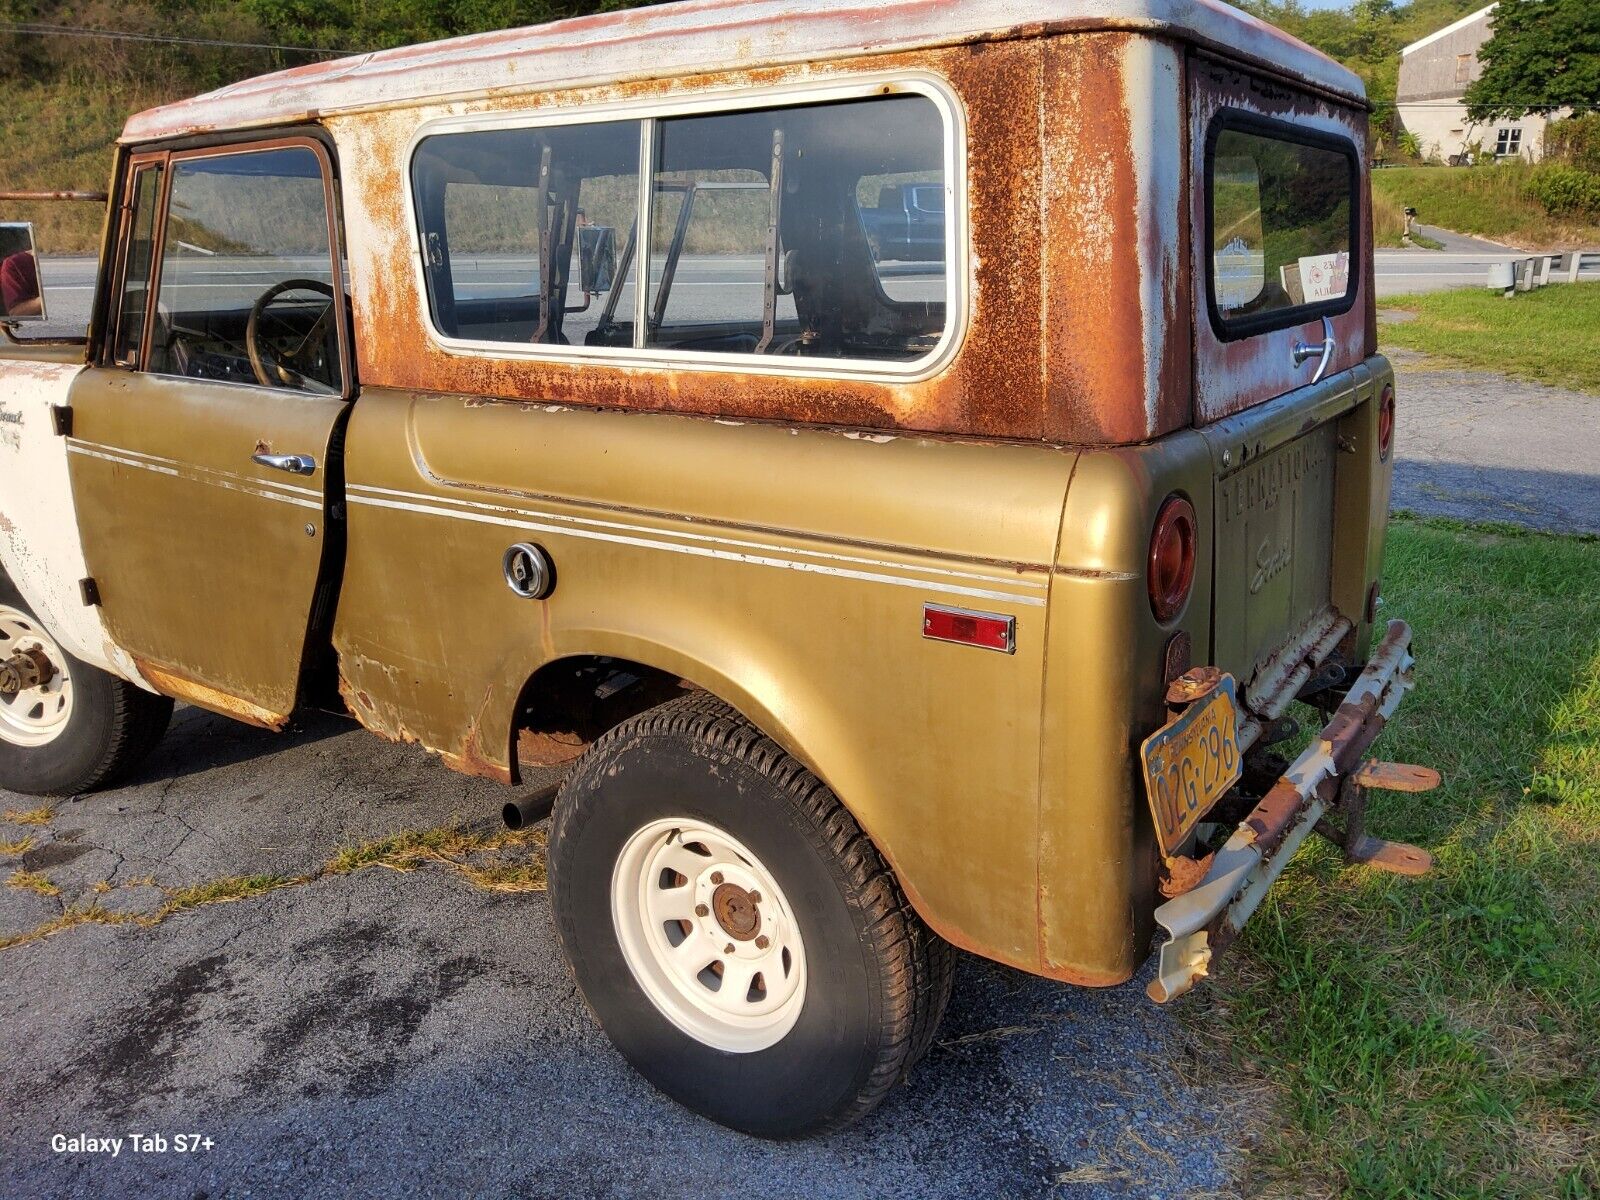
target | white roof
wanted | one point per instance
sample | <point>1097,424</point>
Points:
<point>1449,29</point>
<point>668,40</point>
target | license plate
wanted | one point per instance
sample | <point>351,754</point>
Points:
<point>1190,762</point>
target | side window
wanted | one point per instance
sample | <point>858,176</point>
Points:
<point>776,255</point>
<point>527,234</point>
<point>144,193</point>
<point>1281,216</point>
<point>815,231</point>
<point>247,292</point>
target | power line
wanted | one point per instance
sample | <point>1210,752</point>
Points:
<point>38,29</point>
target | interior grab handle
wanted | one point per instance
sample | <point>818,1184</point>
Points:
<point>295,464</point>
<point>1322,351</point>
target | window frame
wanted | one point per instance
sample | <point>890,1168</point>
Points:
<point>1244,121</point>
<point>167,160</point>
<point>646,113</point>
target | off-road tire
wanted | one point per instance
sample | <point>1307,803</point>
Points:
<point>878,978</point>
<point>113,725</point>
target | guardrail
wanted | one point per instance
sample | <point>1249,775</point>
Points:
<point>1525,274</point>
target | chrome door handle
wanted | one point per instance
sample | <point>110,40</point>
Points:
<point>295,464</point>
<point>1322,351</point>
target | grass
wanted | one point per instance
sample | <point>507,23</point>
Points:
<point>32,881</point>
<point>503,861</point>
<point>1551,335</point>
<point>17,848</point>
<point>29,816</point>
<point>1486,202</point>
<point>1441,1036</point>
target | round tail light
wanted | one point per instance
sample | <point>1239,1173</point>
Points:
<point>1386,423</point>
<point>1172,545</point>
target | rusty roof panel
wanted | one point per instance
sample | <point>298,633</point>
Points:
<point>709,35</point>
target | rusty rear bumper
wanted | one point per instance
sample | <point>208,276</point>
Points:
<point>1203,922</point>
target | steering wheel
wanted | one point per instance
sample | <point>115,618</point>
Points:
<point>269,365</point>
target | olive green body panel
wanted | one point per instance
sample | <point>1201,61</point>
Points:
<point>783,569</point>
<point>206,563</point>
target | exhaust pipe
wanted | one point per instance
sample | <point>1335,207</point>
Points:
<point>531,809</point>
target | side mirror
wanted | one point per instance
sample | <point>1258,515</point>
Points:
<point>21,293</point>
<point>597,258</point>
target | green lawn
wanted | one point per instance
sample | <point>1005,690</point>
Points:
<point>1440,1037</point>
<point>1485,201</point>
<point>1551,335</point>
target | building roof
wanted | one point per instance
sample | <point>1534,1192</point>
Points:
<point>1449,29</point>
<point>668,40</point>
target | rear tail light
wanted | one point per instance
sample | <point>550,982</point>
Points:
<point>1172,545</point>
<point>1386,423</point>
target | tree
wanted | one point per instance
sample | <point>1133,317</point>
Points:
<point>1544,55</point>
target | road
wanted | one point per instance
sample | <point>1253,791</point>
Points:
<point>705,284</point>
<point>384,1033</point>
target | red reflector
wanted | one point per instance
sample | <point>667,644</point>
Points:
<point>969,628</point>
<point>1385,423</point>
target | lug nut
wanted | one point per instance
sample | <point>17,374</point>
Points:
<point>716,877</point>
<point>729,950</point>
<point>755,897</point>
<point>763,942</point>
<point>700,910</point>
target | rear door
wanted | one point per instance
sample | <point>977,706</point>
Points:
<point>201,442</point>
<point>1282,263</point>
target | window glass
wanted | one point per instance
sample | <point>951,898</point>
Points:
<point>146,194</point>
<point>1280,226</point>
<point>761,244</point>
<point>246,292</point>
<point>527,233</point>
<point>904,217</point>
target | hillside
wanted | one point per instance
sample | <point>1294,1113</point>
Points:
<point>1487,202</point>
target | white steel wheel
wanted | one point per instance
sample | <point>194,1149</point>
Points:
<point>37,715</point>
<point>708,935</point>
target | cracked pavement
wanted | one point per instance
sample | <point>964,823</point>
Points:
<point>407,1034</point>
<point>1482,447</point>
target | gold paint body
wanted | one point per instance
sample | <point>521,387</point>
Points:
<point>690,513</point>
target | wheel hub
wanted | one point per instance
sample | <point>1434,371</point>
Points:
<point>736,912</point>
<point>25,669</point>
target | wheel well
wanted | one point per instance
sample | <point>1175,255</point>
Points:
<point>569,703</point>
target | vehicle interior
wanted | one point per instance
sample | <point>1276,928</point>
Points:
<point>758,246</point>
<point>244,294</point>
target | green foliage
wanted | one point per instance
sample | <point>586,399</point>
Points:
<point>1410,145</point>
<point>1366,37</point>
<point>1543,55</point>
<point>1574,141</point>
<point>1565,191</point>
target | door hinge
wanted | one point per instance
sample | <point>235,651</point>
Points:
<point>61,418</point>
<point>91,592</point>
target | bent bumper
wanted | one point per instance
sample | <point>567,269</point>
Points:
<point>1204,921</point>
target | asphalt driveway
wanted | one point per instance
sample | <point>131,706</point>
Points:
<point>390,1033</point>
<point>1482,447</point>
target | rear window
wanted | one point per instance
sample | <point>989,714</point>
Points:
<point>1281,220</point>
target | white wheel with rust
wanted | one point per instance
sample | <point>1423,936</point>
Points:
<point>35,681</point>
<point>66,726</point>
<point>708,935</point>
<point>738,936</point>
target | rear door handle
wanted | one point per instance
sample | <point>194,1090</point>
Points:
<point>295,464</point>
<point>1322,351</point>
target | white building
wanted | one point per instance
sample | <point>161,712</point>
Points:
<point>1434,74</point>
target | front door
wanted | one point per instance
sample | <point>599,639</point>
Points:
<point>200,443</point>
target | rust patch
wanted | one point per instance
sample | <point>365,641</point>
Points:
<point>193,692</point>
<point>1183,874</point>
